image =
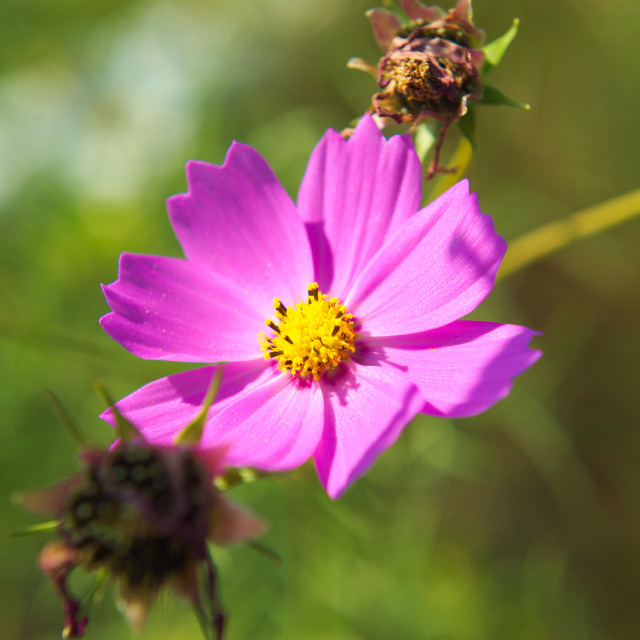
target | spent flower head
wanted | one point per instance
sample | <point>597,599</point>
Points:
<point>432,68</point>
<point>142,515</point>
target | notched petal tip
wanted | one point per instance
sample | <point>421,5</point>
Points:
<point>106,320</point>
<point>199,172</point>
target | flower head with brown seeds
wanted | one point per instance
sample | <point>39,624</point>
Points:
<point>142,515</point>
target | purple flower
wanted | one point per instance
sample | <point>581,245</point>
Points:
<point>364,332</point>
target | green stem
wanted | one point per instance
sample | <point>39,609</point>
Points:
<point>203,620</point>
<point>75,433</point>
<point>556,235</point>
<point>89,597</point>
<point>443,181</point>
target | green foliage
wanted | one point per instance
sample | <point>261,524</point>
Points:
<point>495,50</point>
<point>518,524</point>
<point>493,95</point>
<point>467,126</point>
<point>192,433</point>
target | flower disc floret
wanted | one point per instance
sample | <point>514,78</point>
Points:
<point>311,336</point>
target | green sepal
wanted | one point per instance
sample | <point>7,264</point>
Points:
<point>192,433</point>
<point>494,50</point>
<point>467,126</point>
<point>493,96</point>
<point>34,529</point>
<point>126,430</point>
<point>424,140</point>
<point>76,435</point>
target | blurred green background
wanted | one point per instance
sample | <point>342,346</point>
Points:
<point>523,523</point>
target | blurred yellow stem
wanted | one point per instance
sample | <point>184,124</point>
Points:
<point>553,236</point>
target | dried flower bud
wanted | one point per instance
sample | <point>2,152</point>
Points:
<point>431,68</point>
<point>142,515</point>
<point>427,77</point>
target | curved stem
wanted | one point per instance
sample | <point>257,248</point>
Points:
<point>551,237</point>
<point>460,163</point>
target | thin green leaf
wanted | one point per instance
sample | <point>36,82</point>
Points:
<point>34,529</point>
<point>493,51</point>
<point>92,592</point>
<point>76,435</point>
<point>126,429</point>
<point>192,433</point>
<point>493,96</point>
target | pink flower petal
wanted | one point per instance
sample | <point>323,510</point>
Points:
<point>366,408</point>
<point>418,11</point>
<point>163,408</point>
<point>276,426</point>
<point>461,369</point>
<point>463,15</point>
<point>267,419</point>
<point>172,309</point>
<point>439,266</point>
<point>237,220</point>
<point>385,25</point>
<point>354,195</point>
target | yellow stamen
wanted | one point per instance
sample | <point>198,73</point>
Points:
<point>310,337</point>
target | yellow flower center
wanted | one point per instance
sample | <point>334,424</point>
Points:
<point>311,337</point>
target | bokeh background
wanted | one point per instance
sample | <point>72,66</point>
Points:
<point>522,523</point>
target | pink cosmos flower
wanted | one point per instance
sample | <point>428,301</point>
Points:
<point>364,332</point>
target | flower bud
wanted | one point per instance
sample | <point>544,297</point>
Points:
<point>427,77</point>
<point>142,515</point>
<point>432,68</point>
